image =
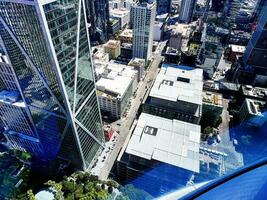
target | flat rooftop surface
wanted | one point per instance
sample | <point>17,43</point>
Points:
<point>118,85</point>
<point>178,83</point>
<point>168,141</point>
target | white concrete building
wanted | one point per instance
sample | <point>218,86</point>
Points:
<point>180,34</point>
<point>163,147</point>
<point>252,113</point>
<point>100,55</point>
<point>143,20</point>
<point>116,83</point>
<point>177,94</point>
<point>157,29</point>
<point>170,141</point>
<point>139,65</point>
<point>117,4</point>
<point>122,14</point>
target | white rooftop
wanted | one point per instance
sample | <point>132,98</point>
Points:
<point>127,33</point>
<point>117,85</point>
<point>45,195</point>
<point>238,48</point>
<point>254,106</point>
<point>176,84</point>
<point>118,78</point>
<point>119,12</point>
<point>158,24</point>
<point>169,141</point>
<point>184,29</point>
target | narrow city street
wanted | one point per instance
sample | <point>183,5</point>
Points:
<point>123,125</point>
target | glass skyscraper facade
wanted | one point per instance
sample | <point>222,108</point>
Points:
<point>164,6</point>
<point>187,10</point>
<point>98,17</point>
<point>255,58</point>
<point>48,104</point>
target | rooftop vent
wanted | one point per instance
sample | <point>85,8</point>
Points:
<point>185,80</point>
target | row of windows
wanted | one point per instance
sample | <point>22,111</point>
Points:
<point>32,39</point>
<point>15,119</point>
<point>21,144</point>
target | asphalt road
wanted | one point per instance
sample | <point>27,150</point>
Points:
<point>124,125</point>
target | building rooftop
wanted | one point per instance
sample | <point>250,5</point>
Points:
<point>114,78</point>
<point>100,54</point>
<point>212,98</point>
<point>145,5</point>
<point>255,107</point>
<point>168,141</point>
<point>184,29</point>
<point>112,44</point>
<point>158,24</point>
<point>119,12</point>
<point>238,33</point>
<point>172,51</point>
<point>162,16</point>
<point>113,21</point>
<point>116,85</point>
<point>48,194</point>
<point>126,45</point>
<point>126,33</point>
<point>178,83</point>
<point>256,92</point>
<point>137,62</point>
<point>237,48</point>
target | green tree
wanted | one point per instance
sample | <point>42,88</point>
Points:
<point>102,195</point>
<point>112,183</point>
<point>30,195</point>
<point>89,187</point>
<point>68,186</point>
<point>57,187</point>
<point>207,131</point>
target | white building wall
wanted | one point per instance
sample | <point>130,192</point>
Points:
<point>143,21</point>
<point>157,29</point>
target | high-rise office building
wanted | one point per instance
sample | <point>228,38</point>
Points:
<point>48,103</point>
<point>217,5</point>
<point>143,21</point>
<point>164,6</point>
<point>261,4</point>
<point>98,19</point>
<point>187,10</point>
<point>255,56</point>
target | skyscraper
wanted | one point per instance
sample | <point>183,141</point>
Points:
<point>186,10</point>
<point>164,6</point>
<point>143,21</point>
<point>98,18</point>
<point>255,56</point>
<point>261,4</point>
<point>48,103</point>
<point>217,5</point>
